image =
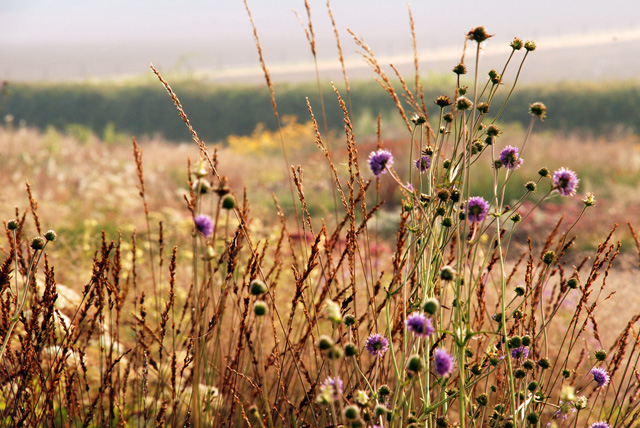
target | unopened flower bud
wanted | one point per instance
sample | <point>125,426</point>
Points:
<point>350,350</point>
<point>530,45</point>
<point>443,101</point>
<point>463,103</point>
<point>351,412</point>
<point>257,287</point>
<point>447,117</point>
<point>478,34</point>
<point>349,320</point>
<point>531,186</point>
<point>460,69</point>
<point>483,108</point>
<point>589,200</point>
<point>572,282</point>
<point>415,365</point>
<point>13,224</point>
<point>418,119</point>
<point>229,202</point>
<point>601,355</point>
<point>447,273</point>
<point>260,308</point>
<point>431,306</point>
<point>538,110</point>
<point>548,257</point>
<point>516,44</point>
<point>543,172</point>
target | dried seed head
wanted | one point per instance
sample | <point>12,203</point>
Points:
<point>324,342</point>
<point>443,101</point>
<point>447,273</point>
<point>351,412</point>
<point>38,243</point>
<point>493,131</point>
<point>520,290</point>
<point>350,350</point>
<point>538,109</point>
<point>530,186</point>
<point>572,282</point>
<point>349,320</point>
<point>543,172</point>
<point>50,235</point>
<point>460,69</point>
<point>418,119</point>
<point>463,103</point>
<point>549,257</point>
<point>13,224</point>
<point>483,108</point>
<point>516,44</point>
<point>431,306</point>
<point>447,117</point>
<point>601,355</point>
<point>478,34</point>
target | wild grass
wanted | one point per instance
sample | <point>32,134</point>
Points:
<point>340,291</point>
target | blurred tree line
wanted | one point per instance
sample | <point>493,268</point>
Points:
<point>144,108</point>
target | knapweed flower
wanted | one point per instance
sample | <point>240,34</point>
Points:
<point>423,163</point>
<point>377,345</point>
<point>565,182</point>
<point>477,209</point>
<point>510,158</point>
<point>600,376</point>
<point>520,352</point>
<point>600,425</point>
<point>379,160</point>
<point>204,224</point>
<point>330,390</point>
<point>444,362</point>
<point>420,325</point>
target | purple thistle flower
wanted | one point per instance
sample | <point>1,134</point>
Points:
<point>204,224</point>
<point>378,161</point>
<point>444,362</point>
<point>600,376</point>
<point>377,345</point>
<point>477,209</point>
<point>335,385</point>
<point>565,181</point>
<point>510,158</point>
<point>420,325</point>
<point>423,163</point>
<point>521,352</point>
<point>600,425</point>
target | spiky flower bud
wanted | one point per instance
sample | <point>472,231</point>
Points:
<point>324,342</point>
<point>415,365</point>
<point>383,391</point>
<point>520,290</point>
<point>455,195</point>
<point>418,119</point>
<point>530,45</point>
<point>460,69</point>
<point>332,311</point>
<point>538,110</point>
<point>572,282</point>
<point>519,374</point>
<point>543,172</point>
<point>533,418</point>
<point>349,320</point>
<point>589,200</point>
<point>493,131</point>
<point>38,243</point>
<point>334,353</point>
<point>257,287</point>
<point>516,44</point>
<point>351,412</point>
<point>350,350</point>
<point>50,235</point>
<point>516,218</point>
<point>526,340</point>
<point>548,257</point>
<point>478,34</point>
<point>567,373</point>
<point>446,164</point>
<point>463,103</point>
<point>380,410</point>
<point>229,202</point>
<point>447,117</point>
<point>13,224</point>
<point>544,363</point>
<point>531,186</point>
<point>260,308</point>
<point>527,365</point>
<point>515,342</point>
<point>447,222</point>
<point>431,306</point>
<point>462,90</point>
<point>444,195</point>
<point>440,211</point>
<point>482,399</point>
<point>601,355</point>
<point>447,273</point>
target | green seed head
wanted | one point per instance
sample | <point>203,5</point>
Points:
<point>260,308</point>
<point>38,243</point>
<point>13,224</point>
<point>257,287</point>
<point>229,202</point>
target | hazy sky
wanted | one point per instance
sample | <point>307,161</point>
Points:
<point>56,39</point>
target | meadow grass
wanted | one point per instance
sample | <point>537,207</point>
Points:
<point>436,283</point>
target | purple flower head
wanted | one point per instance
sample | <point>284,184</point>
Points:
<point>335,387</point>
<point>565,181</point>
<point>444,362</point>
<point>204,224</point>
<point>377,345</point>
<point>420,325</point>
<point>600,425</point>
<point>378,161</point>
<point>600,376</point>
<point>423,163</point>
<point>510,158</point>
<point>477,209</point>
<point>521,352</point>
